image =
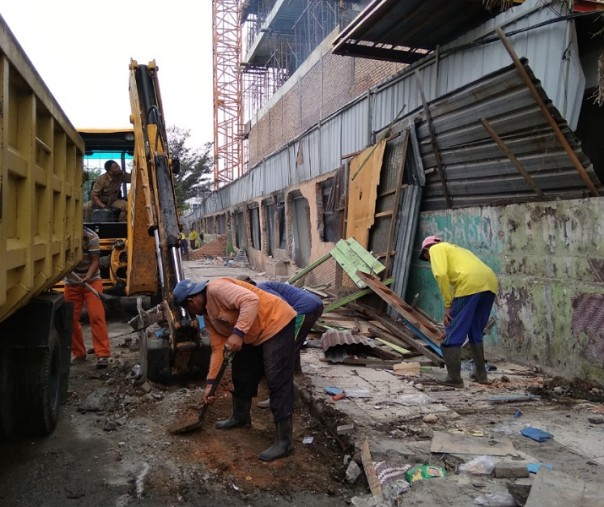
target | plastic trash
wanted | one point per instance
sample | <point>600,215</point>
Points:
<point>536,434</point>
<point>496,500</point>
<point>307,440</point>
<point>480,465</point>
<point>421,472</point>
<point>533,468</point>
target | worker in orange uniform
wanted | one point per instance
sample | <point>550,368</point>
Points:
<point>259,327</point>
<point>468,287</point>
<point>76,292</point>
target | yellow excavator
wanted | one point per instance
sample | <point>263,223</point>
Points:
<point>147,261</point>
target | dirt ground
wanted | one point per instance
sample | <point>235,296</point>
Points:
<point>112,447</point>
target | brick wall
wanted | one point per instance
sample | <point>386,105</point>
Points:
<point>214,248</point>
<point>329,85</point>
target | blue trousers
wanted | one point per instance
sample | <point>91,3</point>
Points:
<point>469,316</point>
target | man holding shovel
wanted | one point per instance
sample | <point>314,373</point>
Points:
<point>87,273</point>
<point>259,328</point>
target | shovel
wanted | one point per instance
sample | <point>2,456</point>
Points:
<point>100,295</point>
<point>190,427</point>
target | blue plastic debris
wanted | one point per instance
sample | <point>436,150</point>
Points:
<point>533,468</point>
<point>333,390</point>
<point>536,434</point>
<point>518,414</point>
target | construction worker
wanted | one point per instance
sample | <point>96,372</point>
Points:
<point>193,239</point>
<point>308,307</point>
<point>468,287</point>
<point>76,292</point>
<point>105,192</point>
<point>259,327</point>
<point>184,245</point>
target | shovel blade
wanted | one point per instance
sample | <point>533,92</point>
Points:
<point>186,428</point>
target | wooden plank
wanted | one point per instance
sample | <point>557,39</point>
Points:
<point>369,362</point>
<point>372,479</point>
<point>309,268</point>
<point>389,337</point>
<point>368,260</point>
<point>352,297</point>
<point>508,153</point>
<point>440,167</point>
<point>399,183</point>
<point>420,326</point>
<point>548,115</point>
<point>451,443</point>
<point>396,330</point>
<point>393,346</point>
<point>343,257</point>
<point>362,192</point>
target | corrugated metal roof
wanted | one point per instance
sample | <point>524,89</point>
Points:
<point>405,30</point>
<point>477,171</point>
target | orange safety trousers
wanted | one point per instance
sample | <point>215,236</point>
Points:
<point>79,295</point>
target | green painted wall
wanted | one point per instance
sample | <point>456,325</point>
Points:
<point>549,258</point>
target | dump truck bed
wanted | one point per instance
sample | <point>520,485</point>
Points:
<point>40,182</point>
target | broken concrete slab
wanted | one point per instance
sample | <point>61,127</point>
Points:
<point>559,489</point>
<point>450,443</point>
<point>510,470</point>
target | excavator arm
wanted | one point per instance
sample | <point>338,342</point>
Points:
<point>154,260</point>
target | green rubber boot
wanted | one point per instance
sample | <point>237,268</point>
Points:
<point>452,358</point>
<point>480,370</point>
<point>284,441</point>
<point>241,415</point>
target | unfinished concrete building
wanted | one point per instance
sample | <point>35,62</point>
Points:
<point>388,120</point>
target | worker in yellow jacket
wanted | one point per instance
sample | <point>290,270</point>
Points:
<point>468,287</point>
<point>193,239</point>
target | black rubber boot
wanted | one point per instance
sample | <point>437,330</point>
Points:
<point>297,364</point>
<point>241,415</point>
<point>284,441</point>
<point>480,370</point>
<point>452,358</point>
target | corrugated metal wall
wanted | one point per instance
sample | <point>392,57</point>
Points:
<point>552,54</point>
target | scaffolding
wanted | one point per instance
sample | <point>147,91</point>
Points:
<point>279,37</point>
<point>228,106</point>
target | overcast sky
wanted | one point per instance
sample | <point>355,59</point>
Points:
<point>82,49</point>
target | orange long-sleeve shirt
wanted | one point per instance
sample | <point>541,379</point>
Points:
<point>233,304</point>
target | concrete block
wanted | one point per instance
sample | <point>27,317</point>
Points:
<point>509,470</point>
<point>345,429</point>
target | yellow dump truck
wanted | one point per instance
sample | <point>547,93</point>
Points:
<point>40,241</point>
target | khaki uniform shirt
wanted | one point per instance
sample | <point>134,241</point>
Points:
<point>107,189</point>
<point>90,245</point>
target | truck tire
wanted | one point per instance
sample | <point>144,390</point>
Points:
<point>7,395</point>
<point>38,387</point>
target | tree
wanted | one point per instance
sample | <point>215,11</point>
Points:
<point>193,178</point>
<point>90,176</point>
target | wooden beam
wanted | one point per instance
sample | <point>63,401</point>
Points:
<point>508,153</point>
<point>439,162</point>
<point>546,112</point>
<point>309,268</point>
<point>401,333</point>
<point>399,182</point>
<point>351,297</point>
